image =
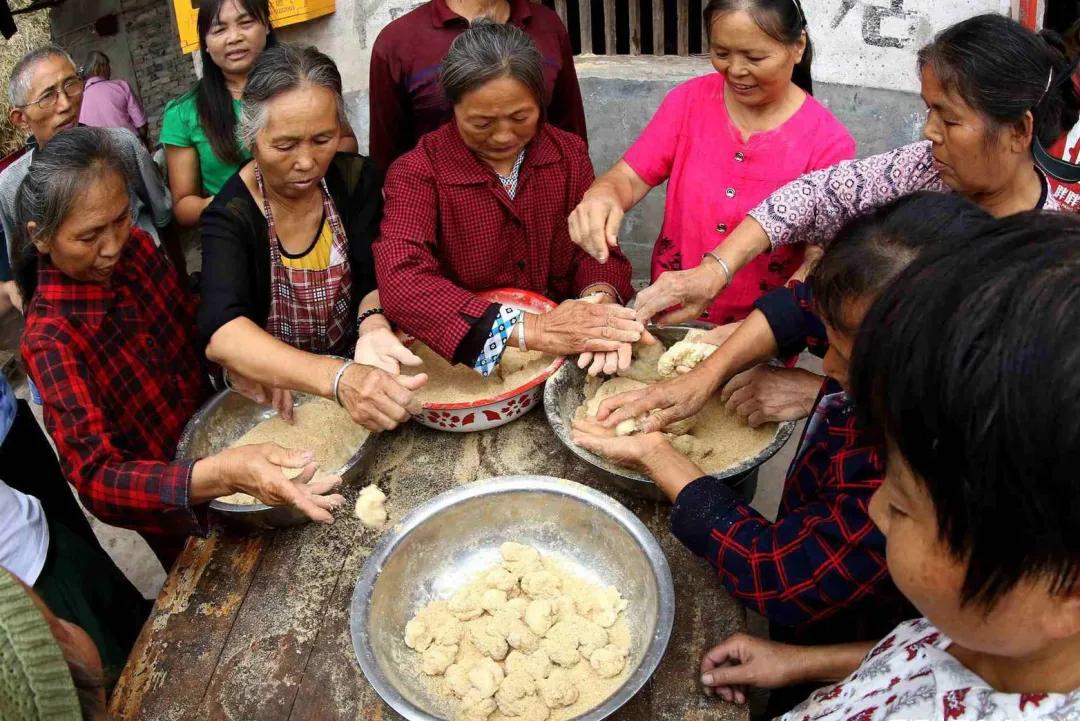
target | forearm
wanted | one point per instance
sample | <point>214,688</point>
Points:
<point>669,469</point>
<point>246,349</point>
<point>376,321</point>
<point>746,242</point>
<point>208,481</point>
<point>752,343</point>
<point>830,663</point>
<point>189,208</point>
<point>624,183</point>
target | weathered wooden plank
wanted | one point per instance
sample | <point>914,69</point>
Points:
<point>560,8</point>
<point>682,22</point>
<point>585,23</point>
<point>658,27</point>
<point>634,12</point>
<point>704,38</point>
<point>609,27</point>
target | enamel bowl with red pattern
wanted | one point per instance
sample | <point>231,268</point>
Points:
<point>485,413</point>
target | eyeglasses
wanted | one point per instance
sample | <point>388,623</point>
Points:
<point>72,88</point>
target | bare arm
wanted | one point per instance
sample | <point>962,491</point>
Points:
<point>185,184</point>
<point>594,223</point>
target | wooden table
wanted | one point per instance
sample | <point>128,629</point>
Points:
<point>254,627</point>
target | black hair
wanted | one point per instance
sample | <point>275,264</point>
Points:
<point>869,251</point>
<point>969,366</point>
<point>782,20</point>
<point>213,101</point>
<point>1003,71</point>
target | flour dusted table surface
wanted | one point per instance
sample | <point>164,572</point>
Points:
<point>255,627</point>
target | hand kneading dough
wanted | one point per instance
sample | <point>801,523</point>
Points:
<point>643,366</point>
<point>526,641</point>
<point>370,507</point>
<point>684,354</point>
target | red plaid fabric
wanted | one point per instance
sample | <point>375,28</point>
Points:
<point>120,375</point>
<point>449,230</point>
<point>309,309</point>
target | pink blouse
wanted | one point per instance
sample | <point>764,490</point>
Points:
<point>715,178</point>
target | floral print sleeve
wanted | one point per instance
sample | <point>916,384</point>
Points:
<point>812,208</point>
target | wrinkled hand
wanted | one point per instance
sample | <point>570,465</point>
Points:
<point>256,470</point>
<point>766,394</point>
<point>578,326</point>
<point>381,348</point>
<point>693,290</point>
<point>610,362</point>
<point>716,336</point>
<point>377,400</point>
<point>660,405</point>
<point>741,661</point>
<point>625,450</point>
<point>594,223</point>
<point>280,399</point>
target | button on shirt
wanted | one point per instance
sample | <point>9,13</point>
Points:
<point>119,373</point>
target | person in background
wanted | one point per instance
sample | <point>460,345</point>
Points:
<point>991,87</point>
<point>1061,161</point>
<point>406,98</point>
<point>110,103</point>
<point>481,203</point>
<point>52,669</point>
<point>46,95</point>
<point>818,572</point>
<point>198,129</point>
<point>975,398</point>
<point>110,341</point>
<point>723,142</point>
<point>288,277</point>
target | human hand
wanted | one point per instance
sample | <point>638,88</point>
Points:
<point>579,326</point>
<point>280,399</point>
<point>594,223</point>
<point>257,471</point>
<point>377,400</point>
<point>381,348</point>
<point>659,405</point>
<point>729,669</point>
<point>717,335</point>
<point>693,290</point>
<point>633,450</point>
<point>610,362</point>
<point>766,394</point>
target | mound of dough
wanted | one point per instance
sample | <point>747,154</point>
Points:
<point>320,426</point>
<point>683,355</point>
<point>371,507</point>
<point>606,390</point>
<point>460,384</point>
<point>526,640</point>
<point>644,362</point>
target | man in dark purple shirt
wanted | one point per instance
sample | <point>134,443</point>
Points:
<point>406,100</point>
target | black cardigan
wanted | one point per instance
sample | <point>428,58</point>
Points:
<point>236,255</point>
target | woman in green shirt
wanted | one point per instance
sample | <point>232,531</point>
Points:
<point>199,128</point>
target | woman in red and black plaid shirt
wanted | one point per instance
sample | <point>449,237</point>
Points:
<point>482,203</point>
<point>110,343</point>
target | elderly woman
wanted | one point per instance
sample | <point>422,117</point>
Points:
<point>288,278</point>
<point>481,203</point>
<point>110,342</point>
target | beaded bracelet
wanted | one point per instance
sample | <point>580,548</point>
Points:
<point>367,314</point>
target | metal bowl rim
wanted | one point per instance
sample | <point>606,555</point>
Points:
<point>361,599</point>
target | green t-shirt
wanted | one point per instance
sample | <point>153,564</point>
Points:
<point>181,127</point>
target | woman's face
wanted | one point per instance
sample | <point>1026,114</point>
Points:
<point>497,119</point>
<point>98,225</point>
<point>235,39</point>
<point>974,156</point>
<point>756,67</point>
<point>299,141</point>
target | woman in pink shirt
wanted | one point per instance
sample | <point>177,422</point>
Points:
<point>724,142</point>
<point>109,103</point>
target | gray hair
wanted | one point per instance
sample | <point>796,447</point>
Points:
<point>19,84</point>
<point>59,173</point>
<point>279,70</point>
<point>96,64</point>
<point>488,51</point>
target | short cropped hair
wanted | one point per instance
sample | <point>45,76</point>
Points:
<point>488,51</point>
<point>968,365</point>
<point>19,83</point>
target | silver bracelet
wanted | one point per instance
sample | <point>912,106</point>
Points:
<point>521,334</point>
<point>337,378</point>
<point>723,265</point>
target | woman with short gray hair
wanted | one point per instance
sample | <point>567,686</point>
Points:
<point>480,204</point>
<point>288,281</point>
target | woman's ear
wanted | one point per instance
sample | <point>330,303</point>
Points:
<point>1063,618</point>
<point>800,47</point>
<point>1021,134</point>
<point>40,243</point>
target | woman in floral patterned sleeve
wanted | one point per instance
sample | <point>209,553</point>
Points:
<point>990,85</point>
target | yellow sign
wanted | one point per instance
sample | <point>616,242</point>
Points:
<point>282,13</point>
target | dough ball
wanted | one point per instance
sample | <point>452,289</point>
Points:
<point>520,559</point>
<point>370,507</point>
<point>436,659</point>
<point>564,607</point>
<point>691,447</point>
<point>610,388</point>
<point>488,639</point>
<point>465,604</point>
<point>591,637</point>
<point>602,606</point>
<point>644,360</point>
<point>683,355</point>
<point>539,616</point>
<point>418,636</point>
<point>558,689</point>
<point>541,584</point>
<point>448,629</point>
<point>485,677</point>
<point>457,679</point>
<point>516,694</point>
<point>628,427</point>
<point>518,636</point>
<point>501,579</point>
<point>492,600</point>
<point>475,707</point>
<point>561,643</point>
<point>537,664</point>
<point>517,606</point>
<point>609,661</point>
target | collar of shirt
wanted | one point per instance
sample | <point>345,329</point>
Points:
<point>92,80</point>
<point>459,166</point>
<point>442,15</point>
